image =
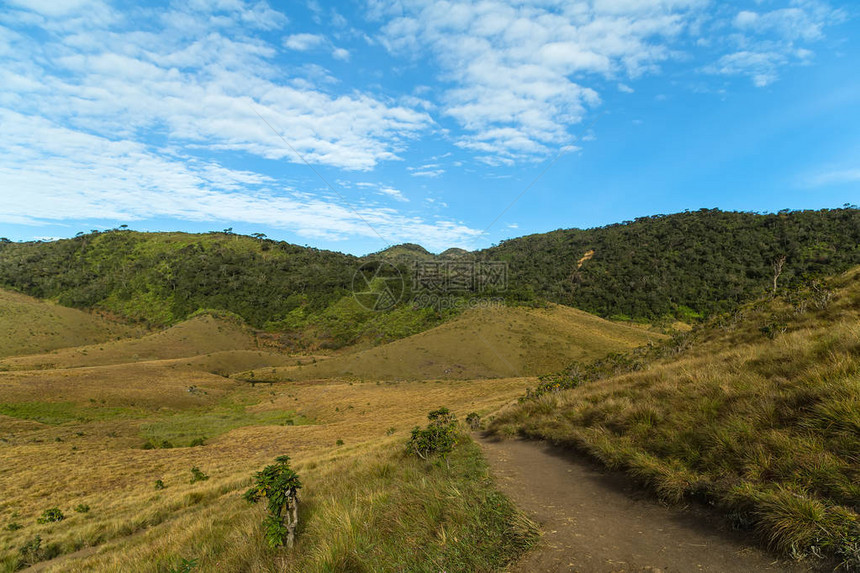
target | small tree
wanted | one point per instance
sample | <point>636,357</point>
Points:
<point>280,485</point>
<point>778,263</point>
<point>474,420</point>
<point>439,437</point>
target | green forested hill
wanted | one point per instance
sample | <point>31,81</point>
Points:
<point>161,278</point>
<point>669,265</point>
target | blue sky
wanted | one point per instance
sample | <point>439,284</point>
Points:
<point>355,125</point>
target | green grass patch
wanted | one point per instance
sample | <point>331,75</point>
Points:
<point>180,429</point>
<point>56,413</point>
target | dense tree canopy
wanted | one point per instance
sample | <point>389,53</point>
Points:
<point>688,263</point>
<point>680,265</point>
<point>164,277</point>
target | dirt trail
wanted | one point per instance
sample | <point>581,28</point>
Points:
<point>595,521</point>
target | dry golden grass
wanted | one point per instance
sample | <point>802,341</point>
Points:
<point>73,424</point>
<point>482,343</point>
<point>201,335</point>
<point>761,416</point>
<point>370,509</point>
<point>100,462</point>
<point>29,325</point>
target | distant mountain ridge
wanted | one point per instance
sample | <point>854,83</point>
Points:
<point>411,252</point>
<point>654,268</point>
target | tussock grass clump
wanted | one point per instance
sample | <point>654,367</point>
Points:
<point>767,428</point>
<point>401,513</point>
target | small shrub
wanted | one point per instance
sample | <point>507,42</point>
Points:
<point>198,442</point>
<point>159,484</point>
<point>473,420</point>
<point>14,526</point>
<point>31,551</point>
<point>439,437</point>
<point>553,383</point>
<point>339,443</point>
<point>82,508</point>
<point>771,329</point>
<point>390,431</point>
<point>197,475</point>
<point>279,484</point>
<point>51,515</point>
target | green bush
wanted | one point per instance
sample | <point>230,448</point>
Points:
<point>439,437</point>
<point>51,515</point>
<point>473,420</point>
<point>30,552</point>
<point>82,508</point>
<point>198,442</point>
<point>159,484</point>
<point>197,475</point>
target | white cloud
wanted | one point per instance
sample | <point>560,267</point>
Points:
<point>304,42</point>
<point>54,8</point>
<point>428,173</point>
<point>767,41</point>
<point>517,73</point>
<point>340,54</point>
<point>427,170</point>
<point>391,192</point>
<point>624,88</point>
<point>202,88</point>
<point>761,67</point>
<point>73,175</point>
<point>834,176</point>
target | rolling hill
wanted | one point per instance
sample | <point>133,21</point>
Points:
<point>29,326</point>
<point>201,335</point>
<point>495,342</point>
<point>656,268</point>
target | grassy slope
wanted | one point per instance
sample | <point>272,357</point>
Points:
<point>372,511</point>
<point>481,343</point>
<point>28,326</point>
<point>768,429</point>
<point>203,334</point>
<point>84,427</point>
